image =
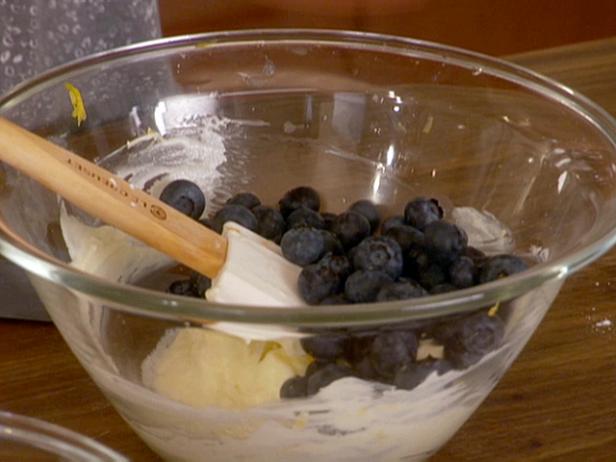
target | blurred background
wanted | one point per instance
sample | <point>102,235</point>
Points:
<point>496,27</point>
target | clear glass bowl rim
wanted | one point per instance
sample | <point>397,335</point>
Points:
<point>54,439</point>
<point>183,309</point>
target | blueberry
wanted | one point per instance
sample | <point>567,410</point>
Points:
<point>351,228</point>
<point>396,220</point>
<point>336,299</point>
<point>184,196</point>
<point>247,199</point>
<point>413,374</point>
<point>358,346</point>
<point>326,375</point>
<point>420,212</point>
<point>462,359</point>
<point>476,255</point>
<point>270,222</point>
<point>400,290</point>
<point>332,243</point>
<point>200,283</point>
<point>327,347</point>
<point>442,288</point>
<point>406,236</point>
<point>379,254</point>
<point>302,246</point>
<point>328,220</point>
<point>237,213</point>
<point>351,253</point>
<point>444,330</point>
<point>365,370</point>
<point>338,264</point>
<point>323,279</point>
<point>298,197</point>
<point>417,325</point>
<point>303,216</point>
<point>417,261</point>
<point>182,287</point>
<point>315,366</point>
<point>193,287</point>
<point>501,266</point>
<point>442,366</point>
<point>368,210</point>
<point>295,387</point>
<point>469,338</point>
<point>432,276</point>
<point>444,241</point>
<point>393,350</point>
<point>462,272</point>
<point>363,286</point>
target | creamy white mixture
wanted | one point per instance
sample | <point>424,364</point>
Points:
<point>206,395</point>
<point>203,368</point>
<point>350,420</point>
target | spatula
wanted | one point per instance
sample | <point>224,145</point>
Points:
<point>255,267</point>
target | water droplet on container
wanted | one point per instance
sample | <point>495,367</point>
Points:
<point>269,68</point>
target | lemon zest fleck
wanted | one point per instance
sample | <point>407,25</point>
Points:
<point>494,309</point>
<point>205,44</point>
<point>79,108</point>
<point>300,423</point>
<point>269,346</point>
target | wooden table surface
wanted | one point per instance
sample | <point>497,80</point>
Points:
<point>557,403</point>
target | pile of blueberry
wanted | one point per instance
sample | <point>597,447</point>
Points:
<point>352,257</point>
<point>389,354</point>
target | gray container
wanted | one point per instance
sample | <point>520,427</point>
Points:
<point>36,35</point>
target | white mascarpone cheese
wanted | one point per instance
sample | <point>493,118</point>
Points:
<point>202,368</point>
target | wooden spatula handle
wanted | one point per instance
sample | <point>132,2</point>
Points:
<point>113,200</point>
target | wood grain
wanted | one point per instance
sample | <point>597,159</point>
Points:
<point>496,27</point>
<point>555,404</point>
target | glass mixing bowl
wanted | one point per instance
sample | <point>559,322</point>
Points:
<point>25,438</point>
<point>522,163</point>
